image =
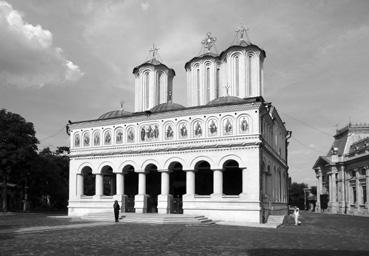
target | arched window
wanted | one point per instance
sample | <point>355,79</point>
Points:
<point>237,74</point>
<point>207,84</point>
<point>88,181</point>
<point>146,86</point>
<point>217,84</point>
<point>198,85</point>
<point>249,59</point>
<point>109,181</point>
<point>158,88</point>
<point>130,135</point>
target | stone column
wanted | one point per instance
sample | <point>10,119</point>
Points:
<point>367,188</point>
<point>330,187</point>
<point>218,183</point>
<point>79,185</point>
<point>98,185</point>
<point>244,182</point>
<point>141,198</point>
<point>357,204</point>
<point>334,204</point>
<point>190,183</point>
<point>164,199</point>
<point>120,196</point>
<point>318,190</point>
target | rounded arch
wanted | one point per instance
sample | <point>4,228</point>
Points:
<point>151,161</point>
<point>77,139</point>
<point>107,136</point>
<point>96,135</point>
<point>169,130</point>
<point>199,159</point>
<point>83,165</point>
<point>244,124</point>
<point>103,164</point>
<point>232,177</point>
<point>127,163</point>
<point>212,126</point>
<point>197,127</point>
<point>229,157</point>
<point>118,135</point>
<point>227,125</point>
<point>170,160</point>
<point>183,129</point>
<point>86,138</point>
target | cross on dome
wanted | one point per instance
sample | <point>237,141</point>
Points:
<point>154,52</point>
<point>209,41</point>
<point>242,32</point>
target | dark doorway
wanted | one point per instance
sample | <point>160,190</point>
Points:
<point>232,178</point>
<point>130,187</point>
<point>177,186</point>
<point>203,178</point>
<point>109,181</point>
<point>153,186</point>
<point>88,181</point>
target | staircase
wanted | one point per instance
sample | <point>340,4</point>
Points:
<point>276,220</point>
<point>150,218</point>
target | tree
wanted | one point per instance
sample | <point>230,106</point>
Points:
<point>18,146</point>
<point>297,195</point>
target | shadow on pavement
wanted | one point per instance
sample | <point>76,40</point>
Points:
<point>303,252</point>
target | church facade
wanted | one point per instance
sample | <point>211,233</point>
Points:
<point>223,156</point>
<point>343,174</point>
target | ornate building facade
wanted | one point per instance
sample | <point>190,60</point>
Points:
<point>224,156</point>
<point>343,174</point>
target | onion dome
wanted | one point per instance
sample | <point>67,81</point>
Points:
<point>114,114</point>
<point>168,106</point>
<point>225,100</point>
<point>154,63</point>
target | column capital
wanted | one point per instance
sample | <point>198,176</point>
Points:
<point>140,171</point>
<point>189,170</point>
<point>165,171</point>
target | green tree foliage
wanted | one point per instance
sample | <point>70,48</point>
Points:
<point>296,194</point>
<point>18,146</point>
<point>48,180</point>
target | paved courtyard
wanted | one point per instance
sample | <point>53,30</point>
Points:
<point>318,235</point>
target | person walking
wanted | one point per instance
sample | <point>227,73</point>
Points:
<point>116,210</point>
<point>296,214</point>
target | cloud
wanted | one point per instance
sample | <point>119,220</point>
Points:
<point>27,54</point>
<point>145,5</point>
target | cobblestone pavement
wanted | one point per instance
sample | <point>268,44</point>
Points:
<point>318,235</point>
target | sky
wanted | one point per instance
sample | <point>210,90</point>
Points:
<point>73,60</point>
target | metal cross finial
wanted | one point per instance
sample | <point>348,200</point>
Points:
<point>242,31</point>
<point>227,88</point>
<point>209,41</point>
<point>154,51</point>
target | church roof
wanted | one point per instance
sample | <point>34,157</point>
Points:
<point>154,63</point>
<point>207,55</point>
<point>166,107</point>
<point>115,113</point>
<point>241,47</point>
<point>225,100</point>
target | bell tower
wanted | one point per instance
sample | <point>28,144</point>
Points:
<point>153,83</point>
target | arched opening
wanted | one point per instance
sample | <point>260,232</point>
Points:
<point>153,187</point>
<point>232,178</point>
<point>203,178</point>
<point>130,187</point>
<point>109,181</point>
<point>88,181</point>
<point>177,186</point>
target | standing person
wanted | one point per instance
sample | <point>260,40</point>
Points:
<point>296,214</point>
<point>116,210</point>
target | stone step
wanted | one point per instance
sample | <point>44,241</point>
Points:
<point>150,218</point>
<point>275,220</point>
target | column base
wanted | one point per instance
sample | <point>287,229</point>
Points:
<point>164,203</point>
<point>141,203</point>
<point>122,199</point>
<point>216,196</point>
<point>96,197</point>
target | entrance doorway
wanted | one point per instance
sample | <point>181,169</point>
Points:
<point>153,186</point>
<point>177,187</point>
<point>130,187</point>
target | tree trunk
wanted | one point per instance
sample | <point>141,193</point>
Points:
<point>5,192</point>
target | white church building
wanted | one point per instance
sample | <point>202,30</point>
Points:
<point>223,156</point>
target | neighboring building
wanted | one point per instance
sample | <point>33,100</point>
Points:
<point>343,174</point>
<point>224,156</point>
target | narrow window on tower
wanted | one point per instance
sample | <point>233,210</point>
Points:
<point>207,84</point>
<point>237,74</point>
<point>249,71</point>
<point>146,86</point>
<point>158,88</point>
<point>198,85</point>
<point>217,84</point>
